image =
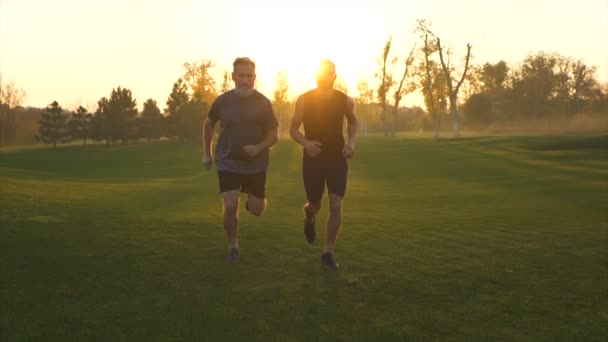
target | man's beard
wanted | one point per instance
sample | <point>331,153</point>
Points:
<point>241,91</point>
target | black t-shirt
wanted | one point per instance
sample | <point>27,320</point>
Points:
<point>244,120</point>
<point>323,120</point>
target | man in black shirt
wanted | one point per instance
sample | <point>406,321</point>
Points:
<point>324,162</point>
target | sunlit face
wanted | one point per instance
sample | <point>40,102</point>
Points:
<point>325,76</point>
<point>243,76</point>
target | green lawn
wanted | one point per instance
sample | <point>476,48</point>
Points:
<point>494,238</point>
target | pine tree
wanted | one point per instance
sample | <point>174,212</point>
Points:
<point>121,115</point>
<point>53,125</point>
<point>175,103</point>
<point>80,124</point>
<point>150,121</point>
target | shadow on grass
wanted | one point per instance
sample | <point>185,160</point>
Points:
<point>570,143</point>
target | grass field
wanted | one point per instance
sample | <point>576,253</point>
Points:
<point>496,238</point>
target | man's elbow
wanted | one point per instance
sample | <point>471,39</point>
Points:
<point>271,139</point>
<point>293,132</point>
<point>208,124</point>
<point>275,138</point>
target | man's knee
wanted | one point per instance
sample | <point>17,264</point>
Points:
<point>335,203</point>
<point>313,207</point>
<point>231,202</point>
<point>256,205</point>
<point>230,207</point>
<point>256,210</point>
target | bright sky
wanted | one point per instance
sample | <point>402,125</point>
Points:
<point>75,52</point>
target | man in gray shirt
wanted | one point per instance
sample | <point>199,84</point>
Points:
<point>248,128</point>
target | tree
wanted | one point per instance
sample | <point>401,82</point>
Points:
<point>433,107</point>
<point>150,121</point>
<point>436,96</point>
<point>472,82</point>
<point>582,84</point>
<point>280,101</point>
<point>176,101</point>
<point>402,91</point>
<point>478,109</point>
<point>493,77</point>
<point>80,124</point>
<point>121,115</point>
<point>190,126</point>
<point>53,125</point>
<point>340,84</point>
<point>226,83</point>
<point>11,98</point>
<point>363,102</point>
<point>535,84</point>
<point>199,79</point>
<point>598,101</point>
<point>453,90</point>
<point>99,124</point>
<point>548,86</point>
<point>386,82</point>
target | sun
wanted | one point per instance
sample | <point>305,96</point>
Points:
<point>294,36</point>
<point>295,44</point>
<point>300,69</point>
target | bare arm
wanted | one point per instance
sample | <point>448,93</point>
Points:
<point>313,148</point>
<point>208,134</point>
<point>351,128</point>
<point>271,138</point>
<point>296,121</point>
<point>351,121</point>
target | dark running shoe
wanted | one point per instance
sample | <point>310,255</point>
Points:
<point>247,205</point>
<point>309,230</point>
<point>234,254</point>
<point>328,261</point>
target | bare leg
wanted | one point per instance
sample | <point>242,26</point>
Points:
<point>311,209</point>
<point>231,217</point>
<point>256,205</point>
<point>333,222</point>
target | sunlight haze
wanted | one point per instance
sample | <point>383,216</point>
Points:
<point>75,52</point>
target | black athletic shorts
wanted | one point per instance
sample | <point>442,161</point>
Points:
<point>248,183</point>
<point>320,171</point>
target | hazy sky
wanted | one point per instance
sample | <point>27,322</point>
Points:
<point>75,52</point>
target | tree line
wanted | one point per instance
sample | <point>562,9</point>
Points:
<point>116,118</point>
<point>546,87</point>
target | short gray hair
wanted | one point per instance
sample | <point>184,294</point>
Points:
<point>243,60</point>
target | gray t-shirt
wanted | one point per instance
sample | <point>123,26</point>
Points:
<point>243,121</point>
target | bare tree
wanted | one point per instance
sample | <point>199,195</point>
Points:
<point>401,91</point>
<point>366,96</point>
<point>386,82</point>
<point>434,85</point>
<point>429,87</point>
<point>427,79</point>
<point>280,100</point>
<point>226,83</point>
<point>453,91</point>
<point>11,98</point>
<point>340,84</point>
<point>197,76</point>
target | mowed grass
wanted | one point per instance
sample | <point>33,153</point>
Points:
<point>495,238</point>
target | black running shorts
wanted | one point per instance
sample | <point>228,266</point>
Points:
<point>247,183</point>
<point>321,171</point>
